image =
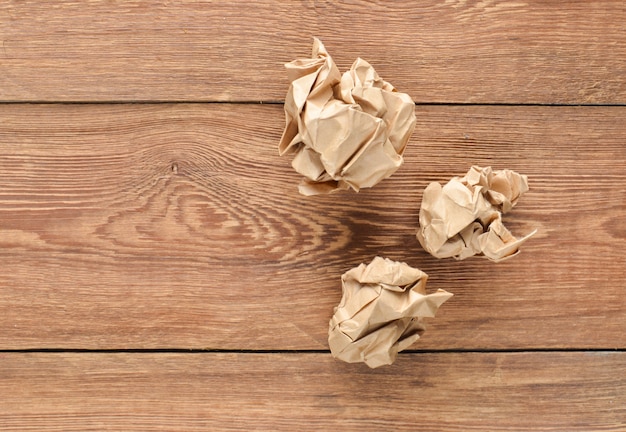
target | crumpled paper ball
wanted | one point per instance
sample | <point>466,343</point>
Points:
<point>381,312</point>
<point>463,218</point>
<point>346,131</point>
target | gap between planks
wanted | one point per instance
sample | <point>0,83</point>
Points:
<point>297,351</point>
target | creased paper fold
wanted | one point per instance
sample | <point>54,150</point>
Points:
<point>346,131</point>
<point>381,312</point>
<point>464,217</point>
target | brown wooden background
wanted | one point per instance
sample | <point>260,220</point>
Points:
<point>158,269</point>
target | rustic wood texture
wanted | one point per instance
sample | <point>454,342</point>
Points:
<point>131,233</point>
<point>219,392</point>
<point>179,226</point>
<point>452,51</point>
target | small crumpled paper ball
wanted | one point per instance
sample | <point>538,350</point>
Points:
<point>346,131</point>
<point>463,218</point>
<point>381,312</point>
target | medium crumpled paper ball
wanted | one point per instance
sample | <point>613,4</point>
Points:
<point>346,131</point>
<point>381,312</point>
<point>463,218</point>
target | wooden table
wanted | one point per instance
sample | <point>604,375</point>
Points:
<point>159,270</point>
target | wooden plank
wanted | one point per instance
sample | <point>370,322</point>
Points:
<point>443,392</point>
<point>453,51</point>
<point>178,226</point>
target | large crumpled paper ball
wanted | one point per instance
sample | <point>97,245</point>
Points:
<point>346,131</point>
<point>463,218</point>
<point>381,312</point>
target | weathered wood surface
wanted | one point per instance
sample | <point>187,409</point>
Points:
<point>178,226</point>
<point>220,392</point>
<point>453,51</point>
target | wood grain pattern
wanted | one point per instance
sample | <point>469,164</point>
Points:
<point>227,392</point>
<point>165,226</point>
<point>178,226</point>
<point>452,51</point>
